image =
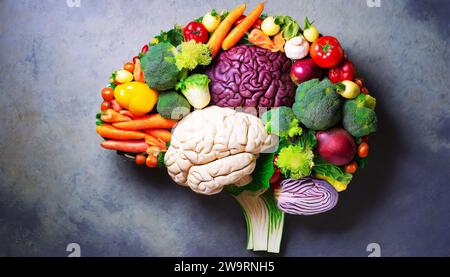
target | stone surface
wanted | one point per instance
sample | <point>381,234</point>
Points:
<point>57,186</point>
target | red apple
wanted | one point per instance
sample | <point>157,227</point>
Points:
<point>304,70</point>
<point>336,146</point>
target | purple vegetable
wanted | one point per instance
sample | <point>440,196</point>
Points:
<point>250,76</point>
<point>306,196</point>
<point>304,70</point>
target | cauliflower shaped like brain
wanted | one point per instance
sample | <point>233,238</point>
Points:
<point>250,76</point>
<point>215,147</point>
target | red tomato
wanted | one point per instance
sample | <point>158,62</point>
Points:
<point>129,67</point>
<point>108,94</point>
<point>144,49</point>
<point>105,106</point>
<point>196,31</point>
<point>351,167</point>
<point>344,71</point>
<point>326,52</point>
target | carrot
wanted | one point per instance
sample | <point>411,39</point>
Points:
<point>217,38</point>
<point>239,31</point>
<point>162,134</point>
<point>116,106</point>
<point>111,116</point>
<point>155,142</point>
<point>130,146</point>
<point>111,132</point>
<point>153,121</point>
<point>138,73</point>
<point>130,114</point>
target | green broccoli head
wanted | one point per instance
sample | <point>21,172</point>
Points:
<point>172,105</point>
<point>295,161</point>
<point>317,105</point>
<point>359,117</point>
<point>282,122</point>
<point>158,64</point>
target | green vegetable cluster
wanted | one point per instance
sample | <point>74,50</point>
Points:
<point>282,122</point>
<point>159,66</point>
<point>172,105</point>
<point>288,25</point>
<point>317,104</point>
<point>359,117</point>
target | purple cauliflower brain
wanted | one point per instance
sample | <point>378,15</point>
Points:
<point>250,76</point>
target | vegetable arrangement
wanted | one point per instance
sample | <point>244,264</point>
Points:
<point>190,100</point>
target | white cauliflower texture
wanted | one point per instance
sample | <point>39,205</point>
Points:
<point>215,147</point>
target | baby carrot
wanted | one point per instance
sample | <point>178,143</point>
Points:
<point>216,40</point>
<point>155,142</point>
<point>162,134</point>
<point>111,132</point>
<point>153,121</point>
<point>239,31</point>
<point>111,116</point>
<point>130,146</point>
<point>116,106</point>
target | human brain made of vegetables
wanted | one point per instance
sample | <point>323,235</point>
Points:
<point>261,107</point>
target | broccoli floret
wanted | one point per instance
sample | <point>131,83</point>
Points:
<point>295,161</point>
<point>282,122</point>
<point>172,105</point>
<point>317,105</point>
<point>359,117</point>
<point>159,67</point>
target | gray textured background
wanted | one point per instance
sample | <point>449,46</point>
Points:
<point>57,186</point>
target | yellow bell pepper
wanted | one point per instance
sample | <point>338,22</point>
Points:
<point>136,97</point>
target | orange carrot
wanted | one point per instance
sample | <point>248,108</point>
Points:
<point>138,73</point>
<point>129,114</point>
<point>111,116</point>
<point>162,134</point>
<point>155,142</point>
<point>153,121</point>
<point>111,132</point>
<point>130,146</point>
<point>217,38</point>
<point>239,31</point>
<point>116,106</point>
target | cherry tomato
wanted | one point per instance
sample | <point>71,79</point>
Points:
<point>140,159</point>
<point>134,59</point>
<point>144,49</point>
<point>108,94</point>
<point>196,31</point>
<point>351,167</point>
<point>105,106</point>
<point>129,67</point>
<point>326,52</point>
<point>360,82</point>
<point>151,161</point>
<point>345,71</point>
<point>363,150</point>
